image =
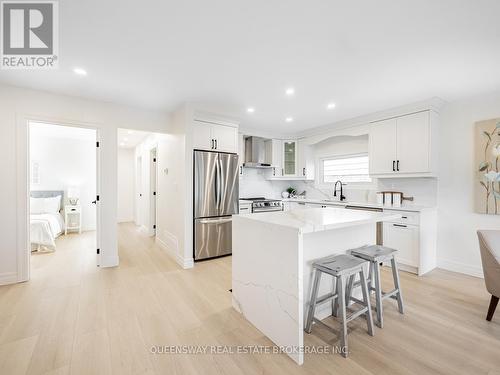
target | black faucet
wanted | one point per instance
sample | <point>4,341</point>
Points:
<point>342,197</point>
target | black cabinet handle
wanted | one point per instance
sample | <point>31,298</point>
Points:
<point>400,225</point>
<point>397,166</point>
<point>274,171</point>
<point>216,144</point>
<point>303,172</point>
<point>241,169</point>
<point>394,166</point>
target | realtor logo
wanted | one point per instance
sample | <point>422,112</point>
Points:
<point>29,34</point>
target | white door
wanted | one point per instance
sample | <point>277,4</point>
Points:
<point>202,136</point>
<point>405,239</point>
<point>383,147</point>
<point>413,138</point>
<point>153,192</point>
<point>138,191</point>
<point>226,138</point>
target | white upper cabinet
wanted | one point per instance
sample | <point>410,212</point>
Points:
<point>306,160</point>
<point>202,136</point>
<point>413,143</point>
<point>274,156</point>
<point>211,136</point>
<point>404,146</point>
<point>290,158</point>
<point>383,147</point>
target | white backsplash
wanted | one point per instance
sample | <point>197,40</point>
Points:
<point>253,183</point>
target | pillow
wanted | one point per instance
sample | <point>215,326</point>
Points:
<point>52,205</point>
<point>37,205</point>
<point>45,205</point>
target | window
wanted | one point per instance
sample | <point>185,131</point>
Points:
<point>349,168</point>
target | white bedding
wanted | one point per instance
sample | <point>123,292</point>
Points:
<point>45,228</point>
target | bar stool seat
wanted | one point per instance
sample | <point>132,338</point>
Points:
<point>377,254</point>
<point>340,267</point>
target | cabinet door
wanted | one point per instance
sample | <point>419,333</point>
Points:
<point>277,157</point>
<point>413,141</point>
<point>289,158</point>
<point>241,153</point>
<point>226,138</point>
<point>383,147</point>
<point>405,239</point>
<point>202,136</point>
<point>306,160</point>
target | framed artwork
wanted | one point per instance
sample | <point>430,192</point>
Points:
<point>487,166</point>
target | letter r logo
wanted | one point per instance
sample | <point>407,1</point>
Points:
<point>27,28</point>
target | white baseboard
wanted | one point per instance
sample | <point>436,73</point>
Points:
<point>8,278</point>
<point>109,261</point>
<point>184,263</point>
<point>467,269</point>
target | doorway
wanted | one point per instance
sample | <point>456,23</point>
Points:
<point>62,195</point>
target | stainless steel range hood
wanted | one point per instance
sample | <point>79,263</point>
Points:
<point>255,153</point>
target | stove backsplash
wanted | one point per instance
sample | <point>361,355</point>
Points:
<point>424,190</point>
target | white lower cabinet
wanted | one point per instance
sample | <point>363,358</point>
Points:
<point>414,237</point>
<point>405,239</point>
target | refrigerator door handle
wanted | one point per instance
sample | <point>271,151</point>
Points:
<point>219,184</point>
<point>217,221</point>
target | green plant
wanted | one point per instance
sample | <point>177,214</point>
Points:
<point>291,191</point>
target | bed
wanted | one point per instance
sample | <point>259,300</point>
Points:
<point>46,221</point>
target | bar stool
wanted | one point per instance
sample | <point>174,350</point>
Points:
<point>376,254</point>
<point>340,267</point>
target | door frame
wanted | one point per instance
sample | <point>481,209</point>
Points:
<point>23,186</point>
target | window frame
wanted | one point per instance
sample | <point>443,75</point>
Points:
<point>320,163</point>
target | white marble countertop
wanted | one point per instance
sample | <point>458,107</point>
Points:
<point>311,220</point>
<point>405,207</point>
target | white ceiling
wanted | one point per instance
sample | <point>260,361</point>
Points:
<point>227,55</point>
<point>128,138</point>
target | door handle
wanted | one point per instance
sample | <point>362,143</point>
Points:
<point>397,165</point>
<point>394,166</point>
<point>94,202</point>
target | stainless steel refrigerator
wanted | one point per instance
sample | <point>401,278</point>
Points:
<point>216,184</point>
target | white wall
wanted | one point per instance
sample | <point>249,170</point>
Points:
<point>64,163</point>
<point>17,105</point>
<point>126,185</point>
<point>458,247</point>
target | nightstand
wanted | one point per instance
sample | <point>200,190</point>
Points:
<point>72,218</point>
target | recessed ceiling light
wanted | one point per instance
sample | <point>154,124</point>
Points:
<point>289,119</point>
<point>290,91</point>
<point>130,132</point>
<point>330,106</point>
<point>80,71</point>
<point>250,110</point>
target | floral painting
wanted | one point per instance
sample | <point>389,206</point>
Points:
<point>487,184</point>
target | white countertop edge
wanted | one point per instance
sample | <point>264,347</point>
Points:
<point>309,227</point>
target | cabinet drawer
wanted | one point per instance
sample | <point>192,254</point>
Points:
<point>407,217</point>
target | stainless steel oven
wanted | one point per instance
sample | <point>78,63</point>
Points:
<point>261,204</point>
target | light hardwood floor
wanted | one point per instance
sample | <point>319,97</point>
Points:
<point>75,318</point>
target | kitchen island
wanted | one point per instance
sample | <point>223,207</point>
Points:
<point>272,265</point>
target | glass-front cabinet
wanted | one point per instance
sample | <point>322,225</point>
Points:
<point>290,158</point>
